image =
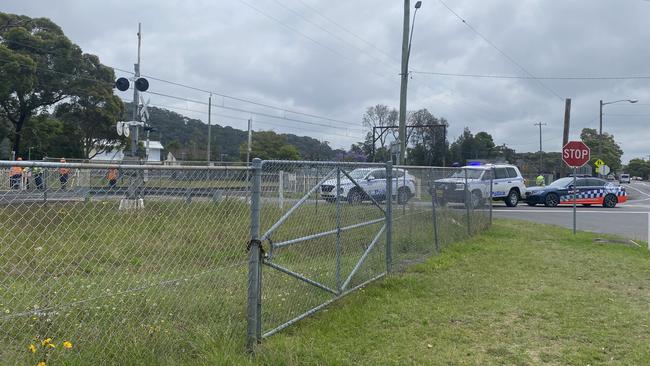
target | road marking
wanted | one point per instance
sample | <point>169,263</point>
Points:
<point>570,211</point>
<point>638,190</point>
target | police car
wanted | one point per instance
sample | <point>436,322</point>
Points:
<point>589,191</point>
<point>505,182</point>
<point>373,182</point>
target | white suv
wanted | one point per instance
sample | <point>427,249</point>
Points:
<point>507,185</point>
<point>373,182</point>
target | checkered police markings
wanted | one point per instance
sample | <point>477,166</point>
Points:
<point>568,210</point>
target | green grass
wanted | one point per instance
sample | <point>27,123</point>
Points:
<point>167,284</point>
<point>520,294</point>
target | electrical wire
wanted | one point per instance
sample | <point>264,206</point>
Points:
<point>488,76</point>
<point>246,111</point>
<point>319,13</point>
<point>297,31</point>
<point>298,14</point>
<point>503,53</point>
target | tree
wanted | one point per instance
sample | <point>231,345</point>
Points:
<point>611,151</point>
<point>639,168</point>
<point>40,68</point>
<point>429,143</point>
<point>380,116</point>
<point>49,136</point>
<point>93,109</point>
<point>269,145</point>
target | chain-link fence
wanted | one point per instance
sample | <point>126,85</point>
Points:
<point>129,264</point>
<point>122,264</point>
<point>322,229</point>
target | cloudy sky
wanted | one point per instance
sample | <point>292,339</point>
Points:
<point>332,59</point>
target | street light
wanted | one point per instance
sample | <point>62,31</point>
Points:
<point>407,37</point>
<point>600,131</point>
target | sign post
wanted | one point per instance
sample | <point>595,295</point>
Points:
<point>575,154</point>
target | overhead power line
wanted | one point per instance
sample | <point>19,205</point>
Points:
<point>298,14</point>
<point>247,111</point>
<point>257,121</point>
<point>490,76</point>
<point>503,53</point>
<point>302,34</point>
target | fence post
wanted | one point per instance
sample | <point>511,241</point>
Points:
<point>281,189</point>
<point>491,192</point>
<point>338,230</point>
<point>434,198</point>
<point>389,216</point>
<point>468,202</point>
<point>253,313</point>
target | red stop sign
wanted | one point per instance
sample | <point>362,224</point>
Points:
<point>576,154</point>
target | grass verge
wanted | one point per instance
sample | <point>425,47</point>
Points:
<point>519,294</point>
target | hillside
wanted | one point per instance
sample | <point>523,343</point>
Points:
<point>187,138</point>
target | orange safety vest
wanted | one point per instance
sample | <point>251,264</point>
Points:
<point>63,171</point>
<point>112,174</point>
<point>15,170</point>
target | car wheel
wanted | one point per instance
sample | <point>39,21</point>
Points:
<point>610,201</point>
<point>531,204</point>
<point>402,196</point>
<point>513,198</point>
<point>552,200</point>
<point>355,197</point>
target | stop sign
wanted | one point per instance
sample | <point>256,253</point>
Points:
<point>575,154</point>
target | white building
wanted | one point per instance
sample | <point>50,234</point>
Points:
<point>154,153</point>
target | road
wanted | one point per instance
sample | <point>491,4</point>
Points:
<point>629,220</point>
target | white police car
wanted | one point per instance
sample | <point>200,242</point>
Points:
<point>507,185</point>
<point>373,183</point>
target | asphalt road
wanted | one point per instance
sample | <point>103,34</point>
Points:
<point>630,220</point>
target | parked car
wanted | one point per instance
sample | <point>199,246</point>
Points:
<point>371,183</point>
<point>507,185</point>
<point>624,178</point>
<point>589,191</point>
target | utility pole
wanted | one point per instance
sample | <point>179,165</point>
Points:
<point>541,153</point>
<point>209,125</point>
<point>600,133</point>
<point>567,122</point>
<point>404,83</point>
<point>136,115</point>
<point>250,140</point>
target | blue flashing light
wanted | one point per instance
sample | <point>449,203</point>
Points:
<point>474,163</point>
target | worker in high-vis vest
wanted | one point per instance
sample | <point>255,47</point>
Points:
<point>112,177</point>
<point>15,176</point>
<point>540,181</point>
<point>63,175</point>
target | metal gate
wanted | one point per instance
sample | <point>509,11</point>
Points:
<point>333,238</point>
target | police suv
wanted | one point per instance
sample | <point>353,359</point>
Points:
<point>372,182</point>
<point>505,182</point>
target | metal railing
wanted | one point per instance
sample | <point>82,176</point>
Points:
<point>147,263</point>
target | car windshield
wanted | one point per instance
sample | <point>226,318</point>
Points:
<point>471,173</point>
<point>359,173</point>
<point>562,182</point>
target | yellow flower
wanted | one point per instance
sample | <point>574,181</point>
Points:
<point>32,348</point>
<point>67,345</point>
<point>42,363</point>
<point>46,341</point>
<point>52,345</point>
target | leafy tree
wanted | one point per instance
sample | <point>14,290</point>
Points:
<point>48,136</point>
<point>611,151</point>
<point>93,109</point>
<point>429,143</point>
<point>40,67</point>
<point>639,168</point>
<point>269,145</point>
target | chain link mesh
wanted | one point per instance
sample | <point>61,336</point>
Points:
<point>147,264</point>
<point>121,262</point>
